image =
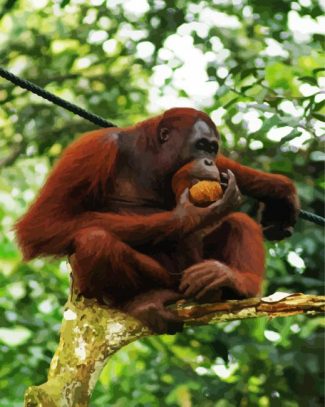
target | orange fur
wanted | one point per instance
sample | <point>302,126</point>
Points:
<point>111,249</point>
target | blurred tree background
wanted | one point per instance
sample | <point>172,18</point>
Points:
<point>257,68</point>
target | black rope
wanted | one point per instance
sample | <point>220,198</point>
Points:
<point>99,121</point>
<point>93,118</point>
<point>311,217</point>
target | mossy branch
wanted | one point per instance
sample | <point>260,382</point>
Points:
<point>91,333</point>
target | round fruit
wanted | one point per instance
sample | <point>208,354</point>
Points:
<point>205,192</point>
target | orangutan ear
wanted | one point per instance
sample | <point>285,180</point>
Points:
<point>164,134</point>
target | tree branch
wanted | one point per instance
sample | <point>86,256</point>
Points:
<point>91,333</point>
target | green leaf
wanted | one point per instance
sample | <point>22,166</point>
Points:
<point>321,39</point>
<point>319,116</point>
<point>245,88</point>
<point>292,135</point>
<point>261,95</point>
<point>309,79</point>
<point>316,70</point>
<point>235,70</point>
<point>320,105</point>
<point>280,75</point>
<point>231,102</point>
<point>211,71</point>
<point>64,3</point>
<point>246,72</point>
<point>9,4</point>
<point>267,125</point>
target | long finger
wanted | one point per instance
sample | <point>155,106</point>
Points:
<point>193,268</point>
<point>231,177</point>
<point>231,188</point>
<point>215,284</point>
<point>192,289</point>
<point>239,199</point>
<point>199,274</point>
<point>196,268</point>
<point>185,197</point>
<point>198,271</point>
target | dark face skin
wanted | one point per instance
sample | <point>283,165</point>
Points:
<point>181,145</point>
<point>204,169</point>
<point>149,159</point>
<point>203,142</point>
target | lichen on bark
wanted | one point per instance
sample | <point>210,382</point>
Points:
<point>91,333</point>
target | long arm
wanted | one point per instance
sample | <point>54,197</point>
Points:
<point>135,229</point>
<point>255,183</point>
<point>277,192</point>
<point>104,266</point>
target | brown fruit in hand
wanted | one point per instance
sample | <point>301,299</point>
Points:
<point>205,192</point>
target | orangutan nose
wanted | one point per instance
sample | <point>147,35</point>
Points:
<point>208,162</point>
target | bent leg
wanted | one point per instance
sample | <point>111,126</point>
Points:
<point>238,244</point>
<point>103,266</point>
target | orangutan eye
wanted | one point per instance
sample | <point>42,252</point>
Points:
<point>163,135</point>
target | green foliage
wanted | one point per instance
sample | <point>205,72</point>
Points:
<point>260,69</point>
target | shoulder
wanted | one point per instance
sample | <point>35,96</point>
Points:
<point>94,140</point>
<point>100,135</point>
